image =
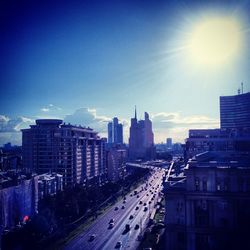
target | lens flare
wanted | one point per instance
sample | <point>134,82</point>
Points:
<point>215,41</point>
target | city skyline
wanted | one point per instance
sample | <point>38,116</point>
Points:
<point>88,62</point>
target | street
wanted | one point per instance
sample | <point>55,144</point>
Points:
<point>138,207</point>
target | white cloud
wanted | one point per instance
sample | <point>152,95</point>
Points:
<point>10,128</point>
<point>15,124</point>
<point>176,126</point>
<point>45,109</point>
<point>51,108</point>
<point>89,118</point>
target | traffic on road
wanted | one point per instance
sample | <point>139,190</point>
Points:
<point>123,225</point>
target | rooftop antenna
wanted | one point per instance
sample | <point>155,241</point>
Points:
<point>241,87</point>
<point>135,113</point>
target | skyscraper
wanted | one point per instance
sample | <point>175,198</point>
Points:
<point>76,152</point>
<point>141,140</point>
<point>115,132</point>
<point>169,143</point>
<point>235,111</point>
<point>110,133</point>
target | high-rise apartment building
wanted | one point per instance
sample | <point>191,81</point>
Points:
<point>141,140</point>
<point>116,162</point>
<point>235,111</point>
<point>115,132</point>
<point>76,152</point>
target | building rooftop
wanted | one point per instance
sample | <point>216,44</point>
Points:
<point>49,122</point>
<point>221,159</point>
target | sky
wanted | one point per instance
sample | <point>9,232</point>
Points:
<point>89,61</point>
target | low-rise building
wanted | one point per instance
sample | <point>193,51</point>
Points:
<point>209,208</point>
<point>202,140</point>
<point>49,184</point>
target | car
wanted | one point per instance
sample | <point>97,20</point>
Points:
<point>145,204</point>
<point>111,221</point>
<point>138,196</point>
<point>137,226</point>
<point>131,217</point>
<point>137,208</point>
<point>140,202</point>
<point>118,244</point>
<point>127,227</point>
<point>123,207</point>
<point>92,237</point>
<point>124,202</point>
<point>116,208</point>
<point>111,225</point>
<point>145,209</point>
<point>149,202</point>
<point>124,198</point>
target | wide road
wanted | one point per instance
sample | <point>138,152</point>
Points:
<point>107,238</point>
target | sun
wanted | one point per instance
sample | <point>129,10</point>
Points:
<point>215,41</point>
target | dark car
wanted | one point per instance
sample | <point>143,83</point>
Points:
<point>111,225</point>
<point>116,208</point>
<point>137,226</point>
<point>118,244</point>
<point>92,237</point>
<point>131,217</point>
<point>111,221</point>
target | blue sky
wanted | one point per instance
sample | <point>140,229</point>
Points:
<point>88,61</point>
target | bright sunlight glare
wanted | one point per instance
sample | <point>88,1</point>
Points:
<point>215,41</point>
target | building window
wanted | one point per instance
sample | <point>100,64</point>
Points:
<point>201,213</point>
<point>204,184</point>
<point>218,185</point>
<point>240,184</point>
<point>197,184</point>
<point>226,184</point>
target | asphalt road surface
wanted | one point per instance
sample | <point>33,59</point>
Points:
<point>104,237</point>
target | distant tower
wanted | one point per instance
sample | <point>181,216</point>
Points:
<point>115,131</point>
<point>241,87</point>
<point>110,132</point>
<point>141,138</point>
